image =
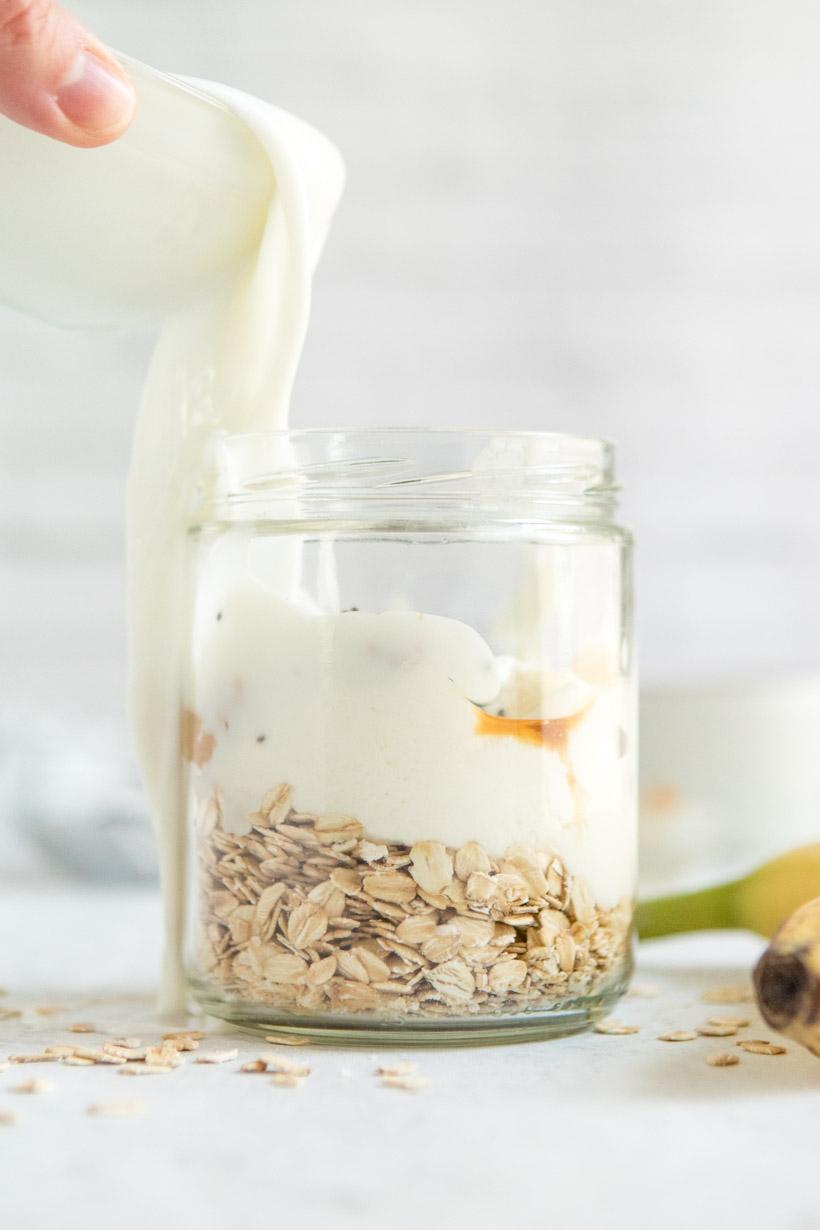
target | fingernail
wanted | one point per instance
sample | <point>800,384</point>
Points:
<point>94,96</point>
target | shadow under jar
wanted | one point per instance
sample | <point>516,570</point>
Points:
<point>409,736</point>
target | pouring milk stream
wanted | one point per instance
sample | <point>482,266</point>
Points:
<point>209,217</point>
<point>217,239</point>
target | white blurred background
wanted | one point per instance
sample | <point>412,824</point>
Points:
<point>601,217</point>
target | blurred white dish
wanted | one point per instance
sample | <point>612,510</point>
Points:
<point>730,774</point>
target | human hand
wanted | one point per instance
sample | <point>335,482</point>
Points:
<point>57,78</point>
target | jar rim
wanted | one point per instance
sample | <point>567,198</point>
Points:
<point>508,472</point>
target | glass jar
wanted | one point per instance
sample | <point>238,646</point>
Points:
<point>409,736</point>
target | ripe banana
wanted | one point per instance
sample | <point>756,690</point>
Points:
<point>787,978</point>
<point>759,902</point>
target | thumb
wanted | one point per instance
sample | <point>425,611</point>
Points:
<point>57,78</point>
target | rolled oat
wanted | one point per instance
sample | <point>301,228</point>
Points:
<point>310,915</point>
<point>615,1028</point>
<point>33,1086</point>
<point>723,1059</point>
<point>412,1084</point>
<point>758,1046</point>
<point>116,1109</point>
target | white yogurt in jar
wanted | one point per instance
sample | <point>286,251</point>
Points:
<point>382,717</point>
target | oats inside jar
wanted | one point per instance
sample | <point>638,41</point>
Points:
<point>310,914</point>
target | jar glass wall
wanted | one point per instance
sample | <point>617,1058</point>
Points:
<point>409,737</point>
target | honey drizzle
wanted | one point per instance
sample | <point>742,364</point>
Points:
<point>551,733</point>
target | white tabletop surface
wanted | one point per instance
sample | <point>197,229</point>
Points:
<point>587,1131</point>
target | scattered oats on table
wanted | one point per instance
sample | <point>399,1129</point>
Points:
<point>180,1042</point>
<point>35,1057</point>
<point>285,1040</point>
<point>287,1064</point>
<point>615,1028</point>
<point>10,1014</point>
<point>717,1031</point>
<point>125,1052</point>
<point>287,1080</point>
<point>51,1009</point>
<point>738,993</point>
<point>739,1022</point>
<point>144,1069</point>
<point>282,1066</point>
<point>82,1027</point>
<point>723,1059</point>
<point>118,1109</point>
<point>678,1035</point>
<point>77,1061</point>
<point>643,990</point>
<point>397,1069</point>
<point>165,1056</point>
<point>760,1046</point>
<point>7,1118</point>
<point>35,1086</point>
<point>255,1065</point>
<point>222,1056</point>
<point>96,1055</point>
<point>412,1084</point>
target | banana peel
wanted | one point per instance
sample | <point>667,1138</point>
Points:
<point>787,978</point>
<point>759,902</point>
<point>780,900</point>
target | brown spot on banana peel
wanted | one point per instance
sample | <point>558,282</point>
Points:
<point>782,983</point>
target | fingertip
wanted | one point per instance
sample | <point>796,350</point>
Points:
<point>96,97</point>
<point>57,78</point>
